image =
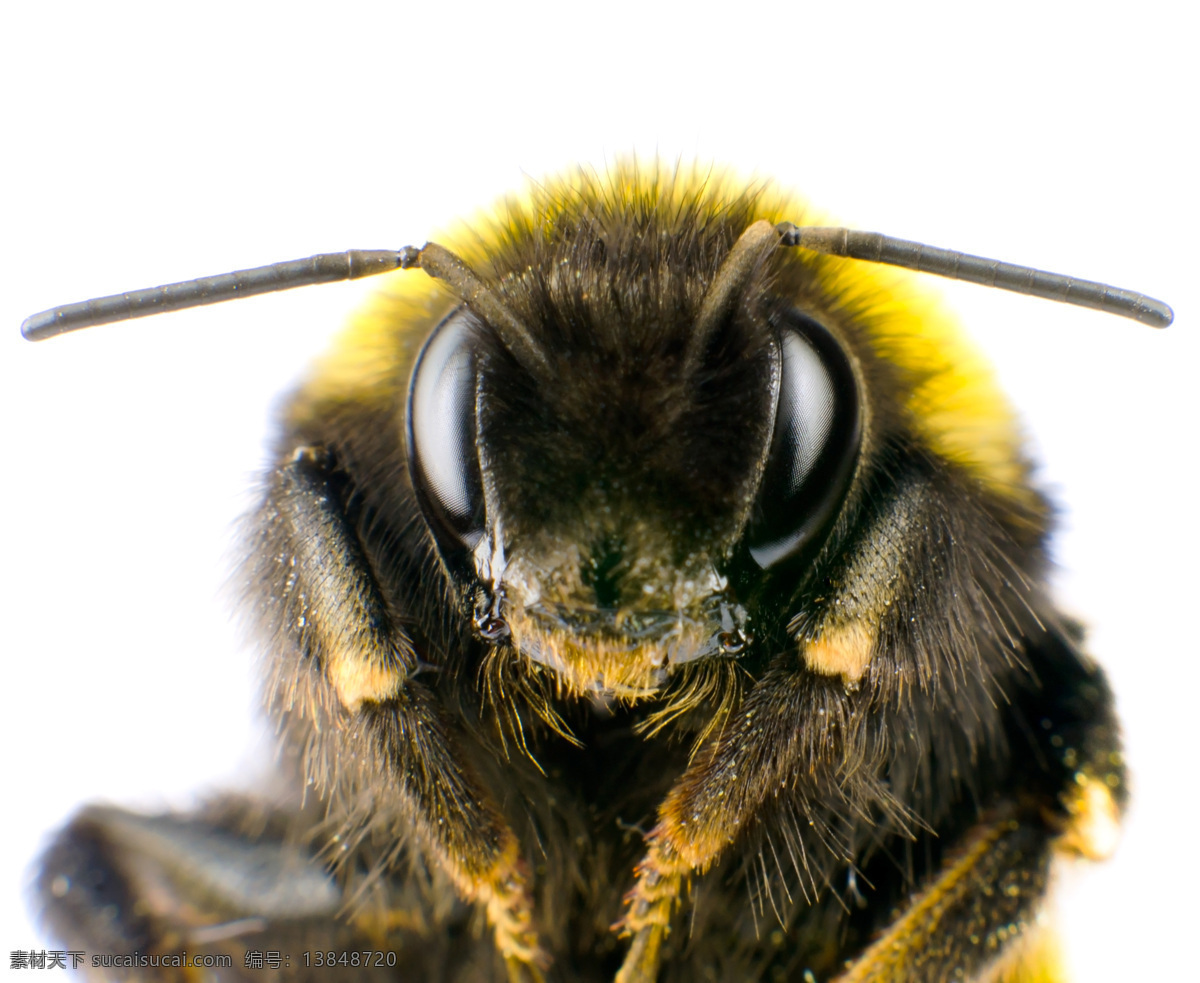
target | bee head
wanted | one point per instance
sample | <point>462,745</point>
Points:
<point>626,419</point>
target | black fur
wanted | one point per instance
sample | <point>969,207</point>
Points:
<point>847,798</point>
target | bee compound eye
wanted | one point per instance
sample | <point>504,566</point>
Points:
<point>813,446</point>
<point>443,458</point>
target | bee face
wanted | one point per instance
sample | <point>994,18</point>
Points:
<point>132,449</point>
<point>650,477</point>
<point>613,502</point>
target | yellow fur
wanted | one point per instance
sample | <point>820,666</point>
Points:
<point>953,399</point>
<point>844,652</point>
<point>1034,959</point>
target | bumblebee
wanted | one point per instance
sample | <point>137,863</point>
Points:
<point>656,591</point>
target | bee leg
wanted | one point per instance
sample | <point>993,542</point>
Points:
<point>1070,802</point>
<point>977,918</point>
<point>720,792</point>
<point>379,746</point>
<point>648,916</point>
<point>762,754</point>
<point>826,769</point>
<point>229,888</point>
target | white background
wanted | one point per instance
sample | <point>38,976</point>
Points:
<point>150,143</point>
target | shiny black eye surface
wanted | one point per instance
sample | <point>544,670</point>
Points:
<point>813,446</point>
<point>443,459</point>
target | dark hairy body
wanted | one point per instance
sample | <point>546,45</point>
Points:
<point>604,653</point>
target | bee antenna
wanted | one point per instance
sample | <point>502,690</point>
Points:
<point>877,248</point>
<point>727,286</point>
<point>731,279</point>
<point>325,268</point>
<point>441,264</point>
<point>435,260</point>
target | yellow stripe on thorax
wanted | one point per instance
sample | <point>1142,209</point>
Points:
<point>952,397</point>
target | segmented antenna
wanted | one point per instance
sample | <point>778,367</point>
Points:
<point>877,248</point>
<point>325,268</point>
<point>731,279</point>
<point>445,265</point>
